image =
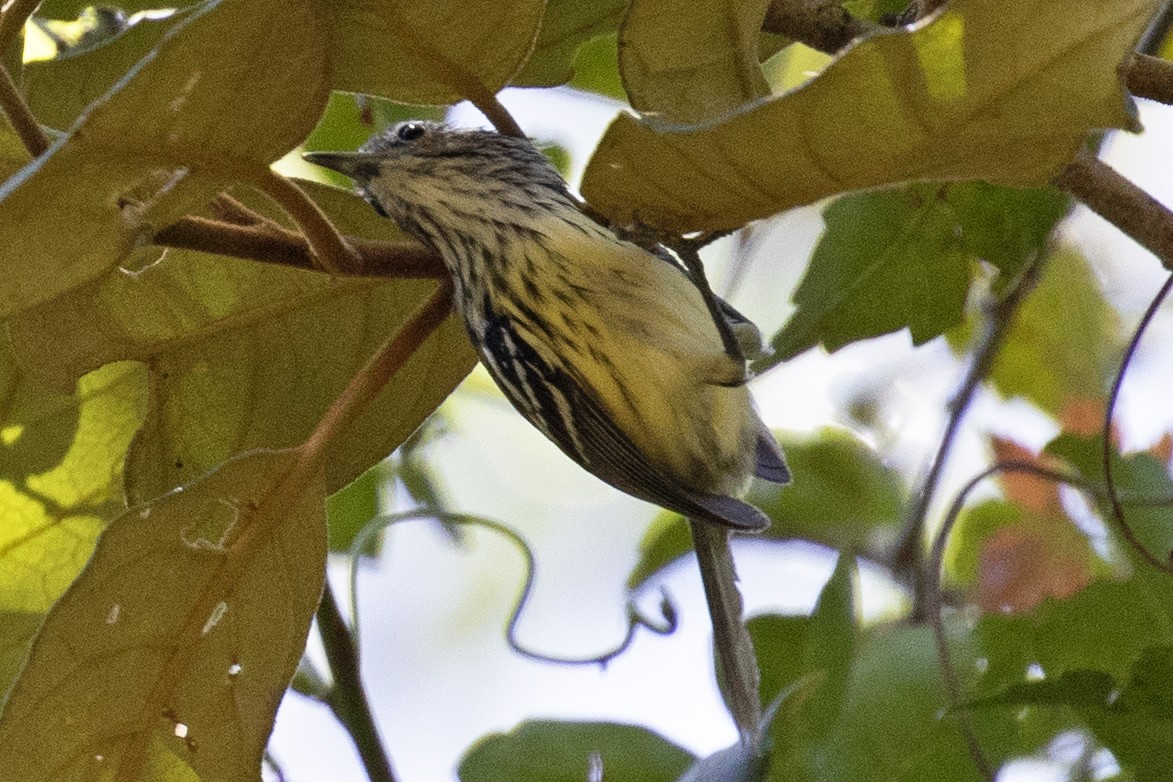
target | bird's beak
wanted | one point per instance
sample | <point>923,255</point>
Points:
<point>360,166</point>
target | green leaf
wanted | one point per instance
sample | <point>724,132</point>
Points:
<point>1132,718</point>
<point>848,497</point>
<point>162,142</point>
<point>985,90</point>
<point>905,258</point>
<point>1074,688</point>
<point>596,69</point>
<point>179,637</point>
<point>974,527</point>
<point>1063,344</point>
<point>561,752</point>
<point>887,261</point>
<point>13,155</point>
<point>890,727</point>
<point>686,73</point>
<point>831,646</point>
<point>566,26</point>
<point>248,356</point>
<point>431,51</point>
<point>1138,725</point>
<point>17,629</point>
<point>1005,226</point>
<point>780,643</point>
<point>666,539</point>
<point>352,507</point>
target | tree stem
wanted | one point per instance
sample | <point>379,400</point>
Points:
<point>286,248</point>
<point>1116,199</point>
<point>17,111</point>
<point>824,25</point>
<point>347,698</point>
<point>907,560</point>
<point>1150,77</point>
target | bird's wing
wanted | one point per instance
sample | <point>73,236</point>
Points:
<point>568,415</point>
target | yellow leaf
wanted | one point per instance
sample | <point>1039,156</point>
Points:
<point>179,637</point>
<point>61,457</point>
<point>224,89</point>
<point>247,355</point>
<point>431,51</point>
<point>677,71</point>
<point>1004,92</point>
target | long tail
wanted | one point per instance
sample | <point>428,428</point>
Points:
<point>737,665</point>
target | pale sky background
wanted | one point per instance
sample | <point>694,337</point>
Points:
<point>437,668</point>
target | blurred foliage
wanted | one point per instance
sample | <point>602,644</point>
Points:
<point>1016,552</point>
<point>1063,345</point>
<point>146,396</point>
<point>565,751</point>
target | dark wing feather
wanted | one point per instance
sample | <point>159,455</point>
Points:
<point>570,417</point>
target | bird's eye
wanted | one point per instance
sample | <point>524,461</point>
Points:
<point>409,131</point>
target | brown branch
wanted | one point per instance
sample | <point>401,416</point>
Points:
<point>496,112</point>
<point>999,315</point>
<point>225,207</point>
<point>17,111</point>
<point>348,697</point>
<point>330,251</point>
<point>286,248</point>
<point>1150,77</point>
<point>12,21</point>
<point>824,25</point>
<point>1116,199</point>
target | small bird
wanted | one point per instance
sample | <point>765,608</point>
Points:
<point>607,348</point>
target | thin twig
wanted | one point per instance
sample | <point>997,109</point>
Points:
<point>228,209</point>
<point>1116,199</point>
<point>824,25</point>
<point>737,662</point>
<point>496,113</point>
<point>285,248</point>
<point>1154,37</point>
<point>275,766</point>
<point>23,122</point>
<point>1117,507</point>
<point>933,607</point>
<point>348,699</point>
<point>692,261</point>
<point>382,366</point>
<point>906,559</point>
<point>330,250</point>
